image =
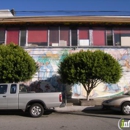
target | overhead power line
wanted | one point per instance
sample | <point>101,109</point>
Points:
<point>70,12</point>
<point>75,12</point>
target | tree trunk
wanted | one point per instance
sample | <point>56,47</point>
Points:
<point>87,91</point>
<point>87,97</point>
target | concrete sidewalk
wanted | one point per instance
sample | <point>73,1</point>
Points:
<point>76,108</point>
<point>94,104</point>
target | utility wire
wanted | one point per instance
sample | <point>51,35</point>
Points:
<point>71,12</point>
<point>76,12</point>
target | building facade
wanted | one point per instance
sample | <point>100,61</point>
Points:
<point>49,39</point>
<point>65,31</point>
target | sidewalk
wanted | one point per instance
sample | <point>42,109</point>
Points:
<point>76,108</point>
<point>70,107</point>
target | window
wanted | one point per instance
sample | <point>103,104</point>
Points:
<point>74,37</point>
<point>83,36</point>
<point>13,88</point>
<point>37,36</point>
<point>22,88</point>
<point>64,36</point>
<point>54,36</point>
<point>3,89</point>
<point>109,37</point>
<point>122,37</point>
<point>98,37</point>
<point>2,36</point>
<point>13,36</point>
<point>23,38</point>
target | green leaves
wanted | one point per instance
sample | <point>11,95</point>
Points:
<point>15,64</point>
<point>89,68</point>
<point>86,65</point>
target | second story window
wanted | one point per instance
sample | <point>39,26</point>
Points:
<point>37,36</point>
<point>12,36</point>
<point>23,38</point>
<point>84,36</point>
<point>122,36</point>
<point>2,36</point>
<point>64,36</point>
<point>74,37</point>
<point>54,36</point>
<point>109,38</point>
<point>99,36</point>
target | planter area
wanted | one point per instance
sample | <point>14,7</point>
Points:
<point>84,102</point>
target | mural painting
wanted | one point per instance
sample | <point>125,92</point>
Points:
<point>49,59</point>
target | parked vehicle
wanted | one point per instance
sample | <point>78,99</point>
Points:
<point>121,103</point>
<point>17,96</point>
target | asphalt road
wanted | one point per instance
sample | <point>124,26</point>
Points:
<point>87,120</point>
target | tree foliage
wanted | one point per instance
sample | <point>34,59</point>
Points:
<point>90,68</point>
<point>15,64</point>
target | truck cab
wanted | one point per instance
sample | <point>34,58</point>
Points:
<point>9,96</point>
<point>17,96</point>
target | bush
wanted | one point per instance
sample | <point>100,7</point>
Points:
<point>15,64</point>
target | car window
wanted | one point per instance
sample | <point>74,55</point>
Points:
<point>3,89</point>
<point>13,88</point>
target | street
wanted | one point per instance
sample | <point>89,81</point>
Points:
<point>88,120</point>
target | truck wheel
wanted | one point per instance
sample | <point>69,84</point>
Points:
<point>36,110</point>
<point>126,108</point>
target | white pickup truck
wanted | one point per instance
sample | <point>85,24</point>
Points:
<point>15,96</point>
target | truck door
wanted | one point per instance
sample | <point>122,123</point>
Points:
<point>12,99</point>
<point>3,96</point>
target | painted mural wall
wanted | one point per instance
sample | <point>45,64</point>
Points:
<point>49,59</point>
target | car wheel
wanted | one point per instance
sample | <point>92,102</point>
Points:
<point>126,108</point>
<point>36,110</point>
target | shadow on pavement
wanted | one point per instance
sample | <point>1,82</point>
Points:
<point>12,112</point>
<point>98,112</point>
<point>21,113</point>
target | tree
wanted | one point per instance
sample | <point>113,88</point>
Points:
<point>15,64</point>
<point>89,68</point>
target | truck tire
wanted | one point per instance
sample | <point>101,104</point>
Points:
<point>36,110</point>
<point>126,108</point>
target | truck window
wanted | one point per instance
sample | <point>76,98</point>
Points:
<point>3,89</point>
<point>13,88</point>
<point>22,88</point>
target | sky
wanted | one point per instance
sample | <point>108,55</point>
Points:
<point>67,7</point>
